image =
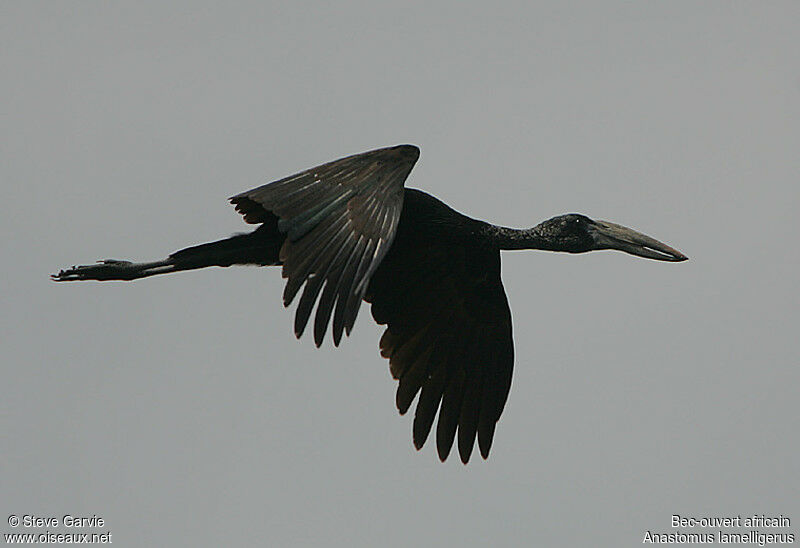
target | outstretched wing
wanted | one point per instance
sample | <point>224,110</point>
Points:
<point>449,335</point>
<point>339,219</point>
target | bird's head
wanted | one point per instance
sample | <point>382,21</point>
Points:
<point>576,233</point>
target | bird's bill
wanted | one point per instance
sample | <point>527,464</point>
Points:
<point>613,236</point>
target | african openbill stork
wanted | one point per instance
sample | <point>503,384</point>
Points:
<point>348,231</point>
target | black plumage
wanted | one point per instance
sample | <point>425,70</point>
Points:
<point>348,231</point>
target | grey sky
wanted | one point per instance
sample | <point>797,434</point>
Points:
<point>182,410</point>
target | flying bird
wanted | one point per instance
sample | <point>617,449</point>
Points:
<point>348,231</point>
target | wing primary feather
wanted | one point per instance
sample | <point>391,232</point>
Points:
<point>310,292</point>
<point>449,412</point>
<point>326,259</point>
<point>414,374</point>
<point>308,257</point>
<point>326,302</point>
<point>289,204</point>
<point>256,193</point>
<point>353,302</point>
<point>494,398</point>
<point>345,281</point>
<point>403,359</point>
<point>485,437</point>
<point>373,262</point>
<point>283,199</point>
<point>471,405</point>
<point>325,305</point>
<point>410,384</point>
<point>302,224</point>
<point>427,406</point>
<point>286,196</point>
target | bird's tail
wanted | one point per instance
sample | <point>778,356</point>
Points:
<point>260,247</point>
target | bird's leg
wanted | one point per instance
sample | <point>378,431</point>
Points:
<point>112,269</point>
<point>259,247</point>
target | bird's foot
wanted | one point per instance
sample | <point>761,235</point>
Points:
<point>108,269</point>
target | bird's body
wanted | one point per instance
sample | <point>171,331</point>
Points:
<point>348,231</point>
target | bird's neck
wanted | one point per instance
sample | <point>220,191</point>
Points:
<point>515,238</point>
